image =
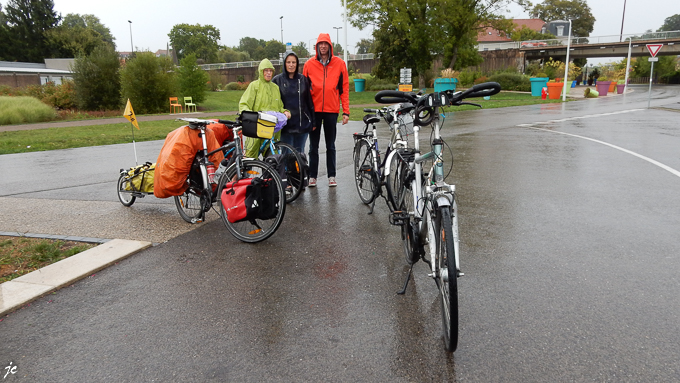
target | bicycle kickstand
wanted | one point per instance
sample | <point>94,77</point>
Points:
<point>372,206</point>
<point>408,277</point>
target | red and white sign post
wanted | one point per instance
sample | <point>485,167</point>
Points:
<point>653,50</point>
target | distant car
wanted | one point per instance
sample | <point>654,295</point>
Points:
<point>530,44</point>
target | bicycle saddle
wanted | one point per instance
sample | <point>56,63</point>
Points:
<point>371,119</point>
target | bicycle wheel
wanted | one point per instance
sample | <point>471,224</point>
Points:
<point>446,275</point>
<point>365,176</point>
<point>191,205</point>
<point>254,230</point>
<point>292,161</point>
<point>397,180</point>
<point>125,196</point>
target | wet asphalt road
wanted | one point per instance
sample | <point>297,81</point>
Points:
<point>569,222</point>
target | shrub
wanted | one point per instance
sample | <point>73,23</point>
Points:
<point>191,79</point>
<point>24,109</point>
<point>58,96</point>
<point>231,86</point>
<point>467,78</point>
<point>148,81</point>
<point>481,80</point>
<point>512,81</point>
<point>97,80</point>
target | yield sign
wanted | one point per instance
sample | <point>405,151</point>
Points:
<point>654,49</point>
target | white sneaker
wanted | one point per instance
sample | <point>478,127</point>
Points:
<point>312,182</point>
<point>331,182</point>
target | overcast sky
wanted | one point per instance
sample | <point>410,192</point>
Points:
<point>303,20</point>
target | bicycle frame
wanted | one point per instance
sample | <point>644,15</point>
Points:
<point>437,192</point>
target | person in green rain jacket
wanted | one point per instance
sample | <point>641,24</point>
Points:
<point>262,95</point>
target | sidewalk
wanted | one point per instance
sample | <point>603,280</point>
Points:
<point>104,121</point>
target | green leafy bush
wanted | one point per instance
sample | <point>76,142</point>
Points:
<point>58,96</point>
<point>148,81</point>
<point>191,79</point>
<point>24,109</point>
<point>512,81</point>
<point>231,86</point>
<point>97,80</point>
<point>467,78</point>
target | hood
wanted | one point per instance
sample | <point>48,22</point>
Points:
<point>324,37</point>
<point>297,59</point>
<point>264,64</point>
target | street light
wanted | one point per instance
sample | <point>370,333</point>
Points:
<point>131,45</point>
<point>622,17</point>
<point>337,38</point>
<point>281,18</point>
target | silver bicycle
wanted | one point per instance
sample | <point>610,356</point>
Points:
<point>426,206</point>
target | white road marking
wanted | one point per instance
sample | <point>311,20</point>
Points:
<point>651,161</point>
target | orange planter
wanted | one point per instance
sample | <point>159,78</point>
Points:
<point>612,87</point>
<point>555,90</point>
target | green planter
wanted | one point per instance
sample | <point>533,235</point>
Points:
<point>441,84</point>
<point>359,85</point>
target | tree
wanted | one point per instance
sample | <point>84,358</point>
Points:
<point>337,49</point>
<point>148,81</point>
<point>273,48</point>
<point>365,46</point>
<point>525,33</point>
<point>671,23</point>
<point>27,22</point>
<point>73,42</point>
<point>199,40</point>
<point>412,33</point>
<point>97,80</point>
<point>5,47</point>
<point>74,20</point>
<point>301,49</point>
<point>191,79</point>
<point>230,55</point>
<point>254,47</point>
<point>578,11</point>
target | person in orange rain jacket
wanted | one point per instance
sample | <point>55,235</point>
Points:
<point>330,88</point>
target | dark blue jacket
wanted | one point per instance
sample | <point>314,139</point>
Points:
<point>297,98</point>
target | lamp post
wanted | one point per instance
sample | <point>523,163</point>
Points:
<point>281,18</point>
<point>131,45</point>
<point>337,35</point>
<point>566,66</point>
<point>622,18</point>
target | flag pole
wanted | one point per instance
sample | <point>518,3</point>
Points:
<point>134,145</point>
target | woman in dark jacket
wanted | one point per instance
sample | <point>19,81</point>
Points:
<point>297,98</point>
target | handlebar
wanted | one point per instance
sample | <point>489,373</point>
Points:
<point>395,97</point>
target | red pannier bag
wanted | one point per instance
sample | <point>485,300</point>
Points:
<point>234,199</point>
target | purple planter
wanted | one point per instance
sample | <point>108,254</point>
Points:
<point>603,87</point>
<point>620,88</point>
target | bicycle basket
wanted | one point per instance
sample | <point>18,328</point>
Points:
<point>405,122</point>
<point>257,125</point>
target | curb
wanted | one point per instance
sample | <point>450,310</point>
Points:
<point>29,287</point>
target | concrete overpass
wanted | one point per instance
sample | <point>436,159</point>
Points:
<point>603,46</point>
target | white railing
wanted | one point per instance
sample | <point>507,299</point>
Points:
<point>602,39</point>
<point>251,64</point>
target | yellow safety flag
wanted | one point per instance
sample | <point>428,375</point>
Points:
<point>130,114</point>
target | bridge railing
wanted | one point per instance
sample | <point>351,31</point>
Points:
<point>250,64</point>
<point>601,39</point>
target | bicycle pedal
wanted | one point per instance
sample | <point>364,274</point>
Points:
<point>196,220</point>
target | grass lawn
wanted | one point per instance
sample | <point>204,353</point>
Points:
<point>80,136</point>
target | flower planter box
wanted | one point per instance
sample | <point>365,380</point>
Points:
<point>441,84</point>
<point>537,85</point>
<point>612,87</point>
<point>555,90</point>
<point>620,88</point>
<point>603,87</point>
<point>359,84</point>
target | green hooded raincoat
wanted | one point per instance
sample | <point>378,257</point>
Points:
<point>261,96</point>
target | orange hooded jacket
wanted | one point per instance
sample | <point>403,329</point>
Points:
<point>330,82</point>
